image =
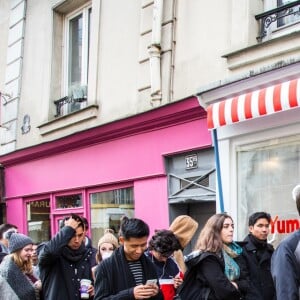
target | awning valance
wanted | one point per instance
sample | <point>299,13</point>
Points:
<point>276,98</point>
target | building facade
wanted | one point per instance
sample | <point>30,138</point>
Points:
<point>255,120</point>
<point>104,111</point>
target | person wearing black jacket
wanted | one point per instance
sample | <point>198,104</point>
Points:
<point>257,253</point>
<point>124,274</point>
<point>64,261</point>
<point>216,269</point>
<point>88,241</point>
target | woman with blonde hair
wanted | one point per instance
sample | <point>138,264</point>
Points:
<point>216,269</point>
<point>16,271</point>
<point>107,244</point>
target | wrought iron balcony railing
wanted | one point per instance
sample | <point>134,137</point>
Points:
<point>67,100</point>
<point>276,15</point>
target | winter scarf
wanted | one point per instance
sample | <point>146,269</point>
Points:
<point>232,269</point>
<point>73,255</point>
<point>17,280</point>
<point>260,245</point>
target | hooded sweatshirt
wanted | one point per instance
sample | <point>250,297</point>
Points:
<point>184,227</point>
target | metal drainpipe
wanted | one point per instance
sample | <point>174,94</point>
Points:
<point>154,51</point>
<point>217,160</point>
<point>218,169</point>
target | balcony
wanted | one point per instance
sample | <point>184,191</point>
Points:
<point>278,18</point>
<point>76,100</point>
<point>68,104</point>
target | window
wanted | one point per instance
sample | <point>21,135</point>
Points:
<point>76,58</point>
<point>38,220</point>
<point>69,201</point>
<point>281,17</point>
<point>289,15</point>
<point>72,26</point>
<point>267,173</point>
<point>107,208</point>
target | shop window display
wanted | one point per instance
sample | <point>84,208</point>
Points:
<point>38,220</point>
<point>267,173</point>
<point>107,209</point>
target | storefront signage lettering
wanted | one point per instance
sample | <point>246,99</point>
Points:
<point>284,225</point>
<point>40,204</point>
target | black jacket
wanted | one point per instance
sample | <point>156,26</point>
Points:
<point>259,267</point>
<point>114,279</point>
<point>61,276</point>
<point>205,279</point>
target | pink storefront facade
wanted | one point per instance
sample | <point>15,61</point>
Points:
<point>122,160</point>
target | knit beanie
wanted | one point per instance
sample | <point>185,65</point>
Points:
<point>108,237</point>
<point>184,227</point>
<point>17,241</point>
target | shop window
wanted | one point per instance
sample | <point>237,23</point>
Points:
<point>69,201</point>
<point>107,209</point>
<point>38,220</point>
<point>72,27</point>
<point>266,176</point>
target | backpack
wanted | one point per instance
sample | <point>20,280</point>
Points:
<point>192,286</point>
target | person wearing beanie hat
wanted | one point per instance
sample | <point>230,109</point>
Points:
<point>285,262</point>
<point>17,241</point>
<point>16,272</point>
<point>184,227</point>
<point>107,244</point>
<point>64,261</point>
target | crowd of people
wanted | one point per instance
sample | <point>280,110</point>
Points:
<point>135,265</point>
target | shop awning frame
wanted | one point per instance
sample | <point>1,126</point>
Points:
<point>262,102</point>
<point>258,103</point>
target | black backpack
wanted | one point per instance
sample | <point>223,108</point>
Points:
<point>192,287</point>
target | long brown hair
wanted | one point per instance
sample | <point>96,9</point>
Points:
<point>210,236</point>
<point>25,266</point>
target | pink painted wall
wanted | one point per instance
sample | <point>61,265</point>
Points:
<point>151,203</point>
<point>137,159</point>
<point>15,213</point>
<point>137,156</point>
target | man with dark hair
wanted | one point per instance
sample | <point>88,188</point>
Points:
<point>257,253</point>
<point>160,251</point>
<point>88,242</point>
<point>64,261</point>
<point>285,266</point>
<point>124,274</point>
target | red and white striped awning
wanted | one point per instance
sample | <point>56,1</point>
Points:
<point>276,98</point>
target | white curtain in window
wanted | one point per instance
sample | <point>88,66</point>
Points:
<point>266,176</point>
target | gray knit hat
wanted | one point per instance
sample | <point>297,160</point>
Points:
<point>17,241</point>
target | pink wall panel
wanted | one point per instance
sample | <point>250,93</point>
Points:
<point>151,202</point>
<point>136,156</point>
<point>15,214</point>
